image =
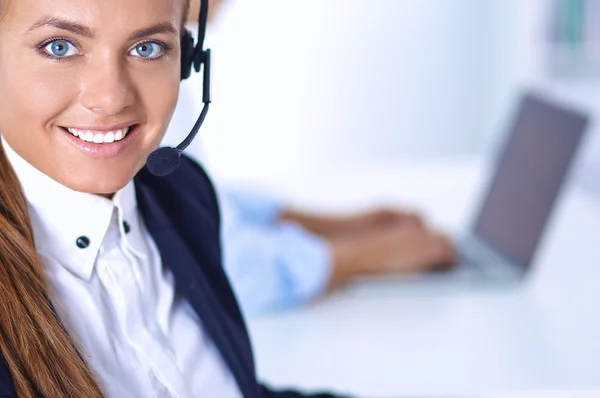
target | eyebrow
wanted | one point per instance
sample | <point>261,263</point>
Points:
<point>64,24</point>
<point>82,30</point>
<point>163,27</point>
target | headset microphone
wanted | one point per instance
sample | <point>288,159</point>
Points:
<point>164,161</point>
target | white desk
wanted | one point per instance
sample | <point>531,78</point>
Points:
<point>388,338</point>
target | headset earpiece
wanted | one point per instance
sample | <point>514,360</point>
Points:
<point>187,54</point>
<point>165,160</point>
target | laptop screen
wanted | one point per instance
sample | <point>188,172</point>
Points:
<point>528,177</point>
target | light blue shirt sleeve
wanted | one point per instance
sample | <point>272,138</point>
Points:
<point>271,265</point>
<point>251,206</point>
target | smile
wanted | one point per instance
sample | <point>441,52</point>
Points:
<point>98,136</point>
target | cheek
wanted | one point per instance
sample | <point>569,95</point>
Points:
<point>159,99</point>
<point>32,97</point>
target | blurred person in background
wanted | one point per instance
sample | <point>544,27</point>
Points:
<point>279,258</point>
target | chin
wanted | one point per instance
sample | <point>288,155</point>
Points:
<point>106,184</point>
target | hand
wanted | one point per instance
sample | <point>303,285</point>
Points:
<point>362,223</point>
<point>403,249</point>
<point>378,218</point>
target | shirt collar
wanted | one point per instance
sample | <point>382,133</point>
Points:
<point>131,226</point>
<point>70,226</point>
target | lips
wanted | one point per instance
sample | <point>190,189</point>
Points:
<point>102,142</point>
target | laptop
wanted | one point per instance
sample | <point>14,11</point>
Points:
<point>528,175</point>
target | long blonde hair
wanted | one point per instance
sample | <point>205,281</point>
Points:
<point>40,356</point>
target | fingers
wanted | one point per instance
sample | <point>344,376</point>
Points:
<point>403,249</point>
<point>373,222</point>
<point>411,249</point>
<point>442,253</point>
<point>384,218</point>
<point>411,219</point>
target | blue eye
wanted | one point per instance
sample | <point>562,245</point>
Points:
<point>148,50</point>
<point>60,48</point>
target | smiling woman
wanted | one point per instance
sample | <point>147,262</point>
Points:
<point>111,279</point>
<point>70,78</point>
<point>96,77</point>
<point>44,363</point>
<point>40,101</point>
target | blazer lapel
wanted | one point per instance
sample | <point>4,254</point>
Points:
<point>192,282</point>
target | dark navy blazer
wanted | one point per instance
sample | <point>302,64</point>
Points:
<point>182,215</point>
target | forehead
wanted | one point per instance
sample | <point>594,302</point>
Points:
<point>100,15</point>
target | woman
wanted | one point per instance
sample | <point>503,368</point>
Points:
<point>111,285</point>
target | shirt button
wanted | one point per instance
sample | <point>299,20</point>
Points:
<point>126,227</point>
<point>83,242</point>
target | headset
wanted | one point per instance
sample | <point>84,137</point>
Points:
<point>164,161</point>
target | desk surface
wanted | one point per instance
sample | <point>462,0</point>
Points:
<point>391,337</point>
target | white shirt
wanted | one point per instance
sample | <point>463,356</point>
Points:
<point>114,297</point>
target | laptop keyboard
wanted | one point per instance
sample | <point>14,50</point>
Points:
<point>468,264</point>
<point>464,265</point>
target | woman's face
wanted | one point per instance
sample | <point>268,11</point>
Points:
<point>88,87</point>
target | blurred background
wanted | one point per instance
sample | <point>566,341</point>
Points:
<point>338,91</point>
<point>307,82</point>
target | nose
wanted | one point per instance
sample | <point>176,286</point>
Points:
<point>106,86</point>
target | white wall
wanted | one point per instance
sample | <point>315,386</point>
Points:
<point>301,82</point>
<point>510,44</point>
<point>331,81</point>
<point>518,57</point>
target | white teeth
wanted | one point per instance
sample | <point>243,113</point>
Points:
<point>89,136</point>
<point>99,137</point>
